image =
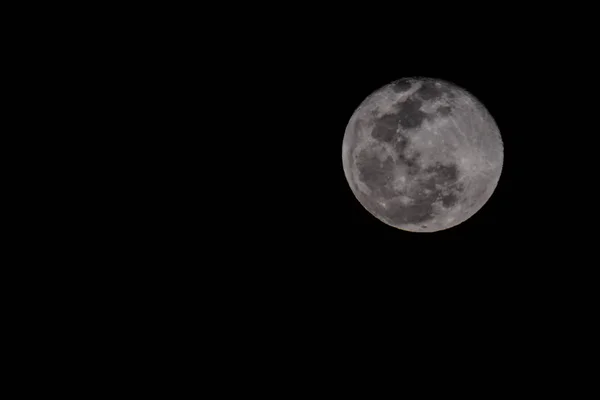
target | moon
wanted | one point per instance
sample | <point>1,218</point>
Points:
<point>422,154</point>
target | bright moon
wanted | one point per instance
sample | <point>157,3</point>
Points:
<point>422,155</point>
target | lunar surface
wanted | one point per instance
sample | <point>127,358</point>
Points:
<point>422,155</point>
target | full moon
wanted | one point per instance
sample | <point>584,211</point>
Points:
<point>422,155</point>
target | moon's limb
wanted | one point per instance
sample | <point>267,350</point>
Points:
<point>422,155</point>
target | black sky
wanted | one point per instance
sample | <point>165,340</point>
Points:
<point>303,82</point>
<point>329,83</point>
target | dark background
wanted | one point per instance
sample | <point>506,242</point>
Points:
<point>306,243</point>
<point>288,87</point>
<point>229,209</point>
<point>523,84</point>
<point>238,127</point>
<point>254,108</point>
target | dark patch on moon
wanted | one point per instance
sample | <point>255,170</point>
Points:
<point>378,176</point>
<point>449,200</point>
<point>443,173</point>
<point>385,128</point>
<point>444,176</point>
<point>401,144</point>
<point>404,160</point>
<point>411,214</point>
<point>373,172</point>
<point>401,85</point>
<point>410,115</point>
<point>429,91</point>
<point>411,163</point>
<point>444,111</point>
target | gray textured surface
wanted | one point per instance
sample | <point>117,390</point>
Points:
<point>422,155</point>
